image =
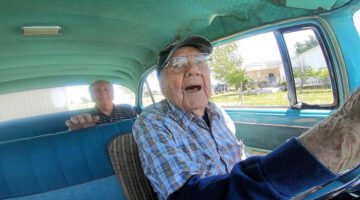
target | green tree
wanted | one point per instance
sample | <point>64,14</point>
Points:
<point>322,73</point>
<point>307,72</point>
<point>226,65</point>
<point>306,45</point>
<point>304,72</point>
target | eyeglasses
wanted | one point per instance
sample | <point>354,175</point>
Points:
<point>179,64</point>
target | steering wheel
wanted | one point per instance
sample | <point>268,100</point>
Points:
<point>346,187</point>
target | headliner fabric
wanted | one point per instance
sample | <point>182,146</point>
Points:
<point>126,163</point>
<point>119,40</point>
<point>311,4</point>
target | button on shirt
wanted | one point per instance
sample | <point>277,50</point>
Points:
<point>120,112</point>
<point>175,145</point>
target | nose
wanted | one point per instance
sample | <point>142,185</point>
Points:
<point>192,69</point>
<point>102,92</point>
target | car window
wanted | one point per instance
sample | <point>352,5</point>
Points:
<point>309,67</point>
<point>44,101</point>
<point>252,71</point>
<point>245,62</point>
<point>151,92</point>
<point>249,72</point>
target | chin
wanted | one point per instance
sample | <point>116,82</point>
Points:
<point>195,105</point>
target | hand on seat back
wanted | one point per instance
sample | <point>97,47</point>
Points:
<point>84,120</point>
<point>335,142</point>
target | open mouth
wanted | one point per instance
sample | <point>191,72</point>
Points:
<point>193,88</point>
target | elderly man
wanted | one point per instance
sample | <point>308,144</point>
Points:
<point>102,93</point>
<point>187,151</point>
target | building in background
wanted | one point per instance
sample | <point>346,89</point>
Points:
<point>269,74</point>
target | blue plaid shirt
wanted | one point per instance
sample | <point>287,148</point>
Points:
<point>175,145</point>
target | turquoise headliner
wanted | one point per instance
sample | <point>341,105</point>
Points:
<point>119,40</point>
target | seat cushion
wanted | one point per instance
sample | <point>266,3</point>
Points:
<point>126,163</point>
<point>106,188</point>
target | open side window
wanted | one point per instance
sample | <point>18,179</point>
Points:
<point>309,68</point>
<point>288,67</point>
<point>151,92</point>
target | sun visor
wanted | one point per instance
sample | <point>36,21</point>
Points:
<point>311,4</point>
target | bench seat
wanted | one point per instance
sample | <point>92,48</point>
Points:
<point>66,165</point>
<point>35,126</point>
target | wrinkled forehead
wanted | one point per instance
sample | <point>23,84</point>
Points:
<point>185,51</point>
<point>102,84</point>
<point>99,85</point>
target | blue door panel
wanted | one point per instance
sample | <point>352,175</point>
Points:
<point>264,136</point>
<point>266,128</point>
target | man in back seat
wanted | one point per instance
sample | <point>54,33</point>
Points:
<point>102,93</point>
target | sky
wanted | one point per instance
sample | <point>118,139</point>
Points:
<point>251,48</point>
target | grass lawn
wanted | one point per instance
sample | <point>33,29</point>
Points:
<point>310,96</point>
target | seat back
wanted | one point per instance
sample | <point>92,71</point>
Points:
<point>126,163</point>
<point>36,126</point>
<point>73,165</point>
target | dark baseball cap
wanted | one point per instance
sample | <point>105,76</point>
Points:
<point>196,41</point>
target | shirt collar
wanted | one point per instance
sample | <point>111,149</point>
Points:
<point>212,111</point>
<point>100,113</point>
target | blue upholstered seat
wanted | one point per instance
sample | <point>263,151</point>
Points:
<point>35,126</point>
<point>65,163</point>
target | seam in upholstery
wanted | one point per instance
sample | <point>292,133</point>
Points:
<point>28,157</point>
<point>4,175</point>
<point>85,156</point>
<point>54,141</point>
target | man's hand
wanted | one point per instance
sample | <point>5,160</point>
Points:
<point>335,142</point>
<point>84,120</point>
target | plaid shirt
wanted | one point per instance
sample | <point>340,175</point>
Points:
<point>174,145</point>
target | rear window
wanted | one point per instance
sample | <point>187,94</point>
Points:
<point>52,100</point>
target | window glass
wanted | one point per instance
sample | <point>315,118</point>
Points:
<point>249,72</point>
<point>310,70</point>
<point>151,92</point>
<point>51,100</point>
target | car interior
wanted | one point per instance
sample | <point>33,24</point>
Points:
<point>63,43</point>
